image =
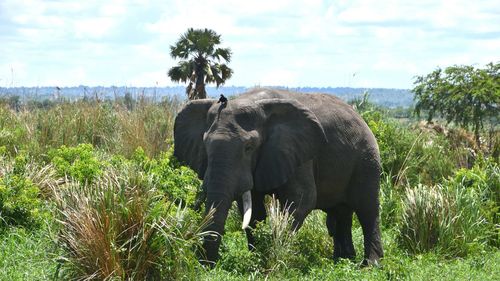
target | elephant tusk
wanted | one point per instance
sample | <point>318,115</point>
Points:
<point>247,209</point>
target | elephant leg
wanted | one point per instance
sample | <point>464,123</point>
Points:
<point>299,194</point>
<point>369,221</point>
<point>339,224</point>
<point>366,185</point>
<point>367,211</point>
<point>258,215</point>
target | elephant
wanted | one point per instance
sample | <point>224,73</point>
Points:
<point>311,150</point>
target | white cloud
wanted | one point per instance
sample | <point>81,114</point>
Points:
<point>149,79</point>
<point>94,27</point>
<point>295,43</point>
<point>12,74</point>
<point>278,76</point>
<point>71,77</point>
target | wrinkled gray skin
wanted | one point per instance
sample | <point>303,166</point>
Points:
<point>310,149</point>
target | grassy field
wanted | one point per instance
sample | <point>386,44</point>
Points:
<point>89,190</point>
<point>36,256</point>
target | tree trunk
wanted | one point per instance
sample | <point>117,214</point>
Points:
<point>200,88</point>
<point>477,135</point>
<point>200,92</point>
<point>190,91</point>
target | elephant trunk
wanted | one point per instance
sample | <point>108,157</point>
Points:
<point>222,187</point>
<point>222,204</point>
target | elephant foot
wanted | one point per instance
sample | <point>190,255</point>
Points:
<point>350,256</point>
<point>370,263</point>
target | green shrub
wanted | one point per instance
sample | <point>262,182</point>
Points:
<point>20,203</point>
<point>233,220</point>
<point>277,247</point>
<point>235,256</point>
<point>80,162</point>
<point>395,143</point>
<point>483,180</point>
<point>179,183</point>
<point>412,156</point>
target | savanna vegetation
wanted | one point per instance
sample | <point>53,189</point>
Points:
<point>89,190</point>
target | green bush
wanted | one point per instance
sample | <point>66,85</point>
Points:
<point>277,247</point>
<point>395,143</point>
<point>483,180</point>
<point>179,183</point>
<point>233,220</point>
<point>80,163</point>
<point>20,203</point>
<point>235,256</point>
<point>412,156</point>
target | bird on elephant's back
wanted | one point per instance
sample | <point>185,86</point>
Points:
<point>310,149</point>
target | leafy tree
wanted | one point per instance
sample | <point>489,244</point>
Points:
<point>201,61</point>
<point>462,94</point>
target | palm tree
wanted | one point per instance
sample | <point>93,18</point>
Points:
<point>201,62</point>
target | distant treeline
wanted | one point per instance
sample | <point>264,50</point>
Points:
<point>381,96</point>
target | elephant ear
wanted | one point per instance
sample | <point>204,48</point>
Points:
<point>189,126</point>
<point>293,135</point>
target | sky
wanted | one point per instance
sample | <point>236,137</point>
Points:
<point>296,43</point>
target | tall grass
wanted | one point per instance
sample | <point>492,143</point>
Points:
<point>426,213</point>
<point>446,219</point>
<point>120,228</point>
<point>44,176</point>
<point>275,238</point>
<point>13,130</point>
<point>108,125</point>
<point>390,202</point>
<point>149,126</point>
